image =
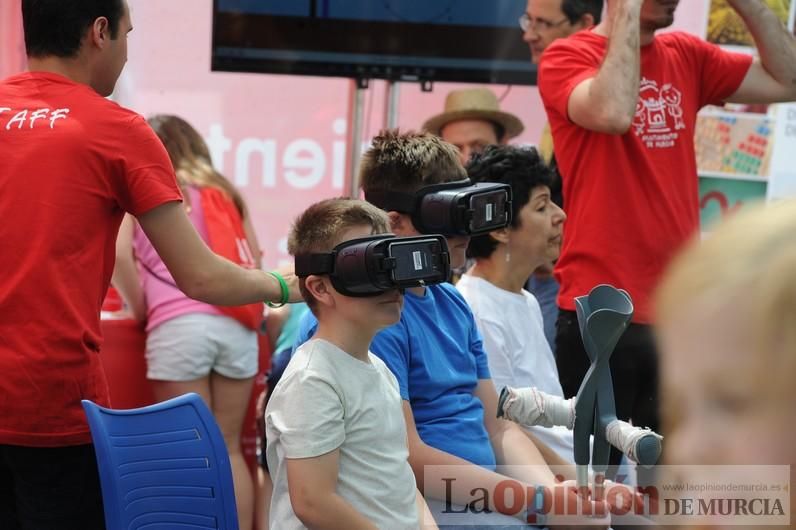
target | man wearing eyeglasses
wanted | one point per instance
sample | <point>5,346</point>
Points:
<point>547,20</point>
<point>543,22</point>
<point>622,103</point>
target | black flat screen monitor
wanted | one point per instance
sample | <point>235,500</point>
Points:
<point>476,41</point>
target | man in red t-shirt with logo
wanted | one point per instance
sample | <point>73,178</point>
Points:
<point>72,163</point>
<point>622,103</point>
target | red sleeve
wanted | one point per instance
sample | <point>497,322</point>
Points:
<point>147,177</point>
<point>564,66</point>
<point>721,72</point>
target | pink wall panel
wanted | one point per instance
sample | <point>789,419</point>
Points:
<point>12,44</point>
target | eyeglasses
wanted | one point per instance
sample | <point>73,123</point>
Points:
<point>538,24</point>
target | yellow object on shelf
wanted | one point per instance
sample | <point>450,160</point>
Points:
<point>726,27</point>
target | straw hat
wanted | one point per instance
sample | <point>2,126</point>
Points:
<point>474,104</point>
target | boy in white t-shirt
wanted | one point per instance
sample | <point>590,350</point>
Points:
<point>336,437</point>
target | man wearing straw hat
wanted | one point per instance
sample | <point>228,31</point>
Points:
<point>470,124</point>
<point>472,120</point>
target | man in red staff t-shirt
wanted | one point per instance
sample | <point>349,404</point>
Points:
<point>622,103</point>
<point>71,164</point>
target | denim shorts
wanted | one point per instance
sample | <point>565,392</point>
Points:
<point>189,347</point>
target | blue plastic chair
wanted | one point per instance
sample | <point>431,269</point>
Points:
<point>162,467</point>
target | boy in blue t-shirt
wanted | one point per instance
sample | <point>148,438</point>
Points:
<point>437,356</point>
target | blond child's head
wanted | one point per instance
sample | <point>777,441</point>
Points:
<point>405,162</point>
<point>726,323</point>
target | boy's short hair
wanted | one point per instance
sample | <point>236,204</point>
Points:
<point>320,228</point>
<point>522,168</point>
<point>405,162</point>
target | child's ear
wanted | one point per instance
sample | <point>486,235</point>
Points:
<point>501,235</point>
<point>320,288</point>
<point>400,223</point>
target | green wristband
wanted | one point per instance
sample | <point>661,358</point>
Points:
<point>283,287</point>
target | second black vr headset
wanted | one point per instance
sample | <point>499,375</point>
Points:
<point>371,265</point>
<point>451,208</point>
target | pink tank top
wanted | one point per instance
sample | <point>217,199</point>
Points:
<point>164,300</point>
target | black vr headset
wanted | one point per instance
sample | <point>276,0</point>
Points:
<point>451,208</point>
<point>369,266</point>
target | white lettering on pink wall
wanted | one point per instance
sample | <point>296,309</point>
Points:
<point>301,164</point>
